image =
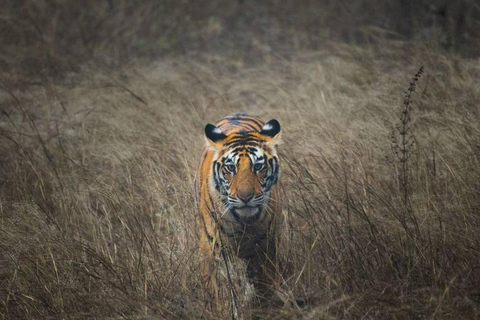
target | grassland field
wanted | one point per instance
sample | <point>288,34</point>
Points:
<point>381,195</point>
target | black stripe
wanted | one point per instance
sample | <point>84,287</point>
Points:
<point>235,122</point>
<point>249,125</point>
<point>216,178</point>
<point>271,179</point>
<point>236,137</point>
<point>243,146</point>
<point>277,167</point>
<point>235,151</point>
<point>212,215</point>
<point>245,118</point>
<point>243,142</point>
<point>210,202</point>
<point>258,123</point>
<point>209,236</point>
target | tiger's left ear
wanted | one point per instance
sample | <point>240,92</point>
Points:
<point>271,130</point>
<point>214,136</point>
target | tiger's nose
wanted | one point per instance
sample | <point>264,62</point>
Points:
<point>245,196</point>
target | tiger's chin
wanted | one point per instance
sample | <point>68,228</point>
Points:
<point>247,214</point>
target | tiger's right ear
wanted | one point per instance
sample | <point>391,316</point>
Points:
<point>271,132</point>
<point>214,136</point>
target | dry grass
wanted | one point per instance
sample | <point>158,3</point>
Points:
<point>97,212</point>
<point>98,217</point>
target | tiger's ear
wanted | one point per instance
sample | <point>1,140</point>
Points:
<point>271,130</point>
<point>214,136</point>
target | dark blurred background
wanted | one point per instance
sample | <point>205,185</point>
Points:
<point>51,37</point>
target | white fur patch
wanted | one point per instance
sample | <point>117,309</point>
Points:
<point>267,127</point>
<point>247,211</point>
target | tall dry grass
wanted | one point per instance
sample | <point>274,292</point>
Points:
<point>102,110</point>
<point>97,211</point>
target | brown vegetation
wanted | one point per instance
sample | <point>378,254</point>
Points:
<point>97,217</point>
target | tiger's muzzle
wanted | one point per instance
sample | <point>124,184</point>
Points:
<point>246,208</point>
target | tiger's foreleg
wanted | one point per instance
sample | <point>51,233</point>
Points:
<point>209,258</point>
<point>262,271</point>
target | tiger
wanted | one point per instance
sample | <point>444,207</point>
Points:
<point>239,200</point>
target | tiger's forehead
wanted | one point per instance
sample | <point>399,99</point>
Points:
<point>243,138</point>
<point>254,153</point>
<point>241,145</point>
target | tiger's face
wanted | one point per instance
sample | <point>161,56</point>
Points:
<point>244,170</point>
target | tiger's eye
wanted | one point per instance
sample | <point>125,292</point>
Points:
<point>230,167</point>
<point>258,166</point>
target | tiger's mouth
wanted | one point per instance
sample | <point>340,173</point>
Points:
<point>247,214</point>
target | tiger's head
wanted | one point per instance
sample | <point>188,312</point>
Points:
<point>245,168</point>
